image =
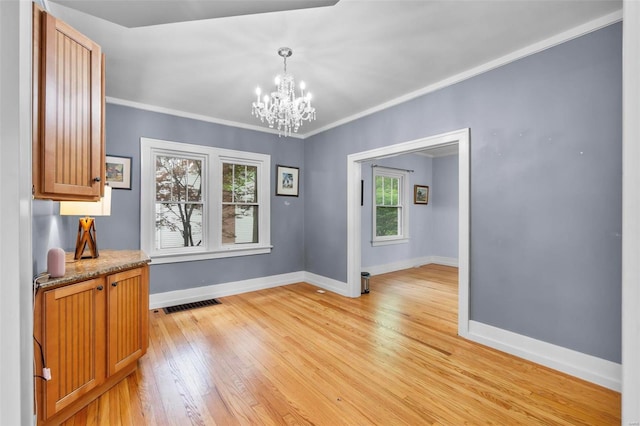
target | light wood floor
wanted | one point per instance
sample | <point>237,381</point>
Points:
<point>293,356</point>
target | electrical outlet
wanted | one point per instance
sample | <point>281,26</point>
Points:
<point>46,373</point>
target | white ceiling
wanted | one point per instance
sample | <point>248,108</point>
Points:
<point>141,13</point>
<point>355,57</point>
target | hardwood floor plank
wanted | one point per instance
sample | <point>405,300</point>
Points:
<point>184,401</point>
<point>103,413</point>
<point>92,414</point>
<point>293,356</point>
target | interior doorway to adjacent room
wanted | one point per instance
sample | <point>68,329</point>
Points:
<point>354,225</point>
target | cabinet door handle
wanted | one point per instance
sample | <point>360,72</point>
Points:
<point>100,288</point>
<point>96,179</point>
<point>114,284</point>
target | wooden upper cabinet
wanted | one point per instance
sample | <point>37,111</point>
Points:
<point>68,112</point>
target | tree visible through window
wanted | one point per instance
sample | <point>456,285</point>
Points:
<point>200,202</point>
<point>179,202</point>
<point>389,210</point>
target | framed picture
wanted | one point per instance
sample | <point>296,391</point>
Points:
<point>420,194</point>
<point>118,172</point>
<point>287,181</point>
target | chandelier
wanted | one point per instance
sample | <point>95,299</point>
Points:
<point>283,109</point>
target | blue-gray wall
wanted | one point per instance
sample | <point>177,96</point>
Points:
<point>124,128</point>
<point>443,196</point>
<point>545,192</point>
<point>433,229</point>
<point>420,242</point>
<point>121,230</point>
<point>545,189</point>
<point>48,230</point>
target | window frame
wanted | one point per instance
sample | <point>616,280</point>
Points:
<point>212,157</point>
<point>204,197</point>
<point>403,197</point>
<point>223,203</point>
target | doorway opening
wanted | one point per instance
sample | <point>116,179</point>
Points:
<point>354,225</point>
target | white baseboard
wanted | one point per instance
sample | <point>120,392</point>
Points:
<point>596,370</point>
<point>446,261</point>
<point>590,368</point>
<point>196,294</point>
<point>397,266</point>
<point>410,263</point>
<point>327,283</point>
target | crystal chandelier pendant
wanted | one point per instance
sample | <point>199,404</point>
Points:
<point>282,109</point>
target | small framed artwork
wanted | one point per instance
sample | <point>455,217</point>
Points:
<point>287,181</point>
<point>118,172</point>
<point>420,194</point>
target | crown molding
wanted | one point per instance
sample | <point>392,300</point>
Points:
<point>580,30</point>
<point>550,42</point>
<point>184,114</point>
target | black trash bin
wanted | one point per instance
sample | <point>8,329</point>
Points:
<point>364,282</point>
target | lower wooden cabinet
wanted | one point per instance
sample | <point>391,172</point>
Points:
<point>92,334</point>
<point>127,331</point>
<point>73,342</point>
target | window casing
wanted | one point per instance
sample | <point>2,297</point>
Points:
<point>240,207</point>
<point>390,212</point>
<point>199,202</point>
<point>180,204</point>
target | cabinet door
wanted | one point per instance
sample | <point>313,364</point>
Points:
<point>71,152</point>
<point>128,314</point>
<point>74,324</point>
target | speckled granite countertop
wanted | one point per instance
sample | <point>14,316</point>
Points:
<point>108,262</point>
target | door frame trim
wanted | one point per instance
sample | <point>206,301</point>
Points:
<point>354,225</point>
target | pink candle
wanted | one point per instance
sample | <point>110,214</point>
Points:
<point>55,262</point>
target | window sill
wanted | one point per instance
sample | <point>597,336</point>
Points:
<point>389,242</point>
<point>158,259</point>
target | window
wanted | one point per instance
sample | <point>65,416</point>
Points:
<point>179,203</point>
<point>390,214</point>
<point>199,202</point>
<point>239,204</point>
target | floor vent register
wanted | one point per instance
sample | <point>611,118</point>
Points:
<point>192,305</point>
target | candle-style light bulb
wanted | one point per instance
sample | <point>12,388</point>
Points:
<point>266,99</point>
<point>277,80</point>
<point>258,92</point>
